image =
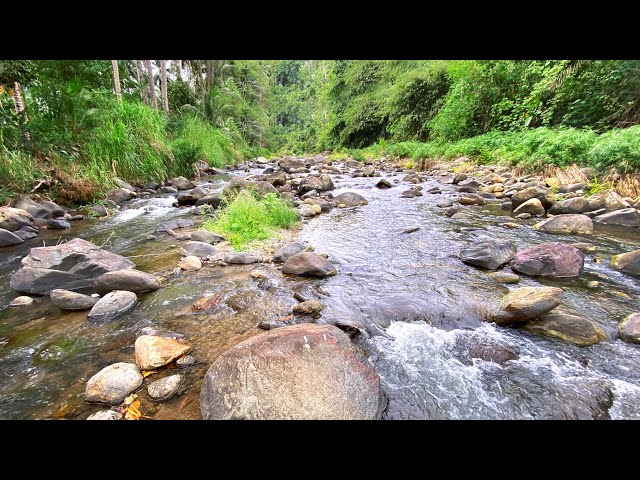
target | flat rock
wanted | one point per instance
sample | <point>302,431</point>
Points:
<point>555,260</point>
<point>130,279</point>
<point>198,249</point>
<point>283,253</point>
<point>575,223</point>
<point>154,351</point>
<point>567,327</point>
<point>488,253</point>
<point>570,206</point>
<point>629,328</point>
<point>241,258</point>
<point>113,384</point>
<point>67,300</point>
<point>526,303</point>
<point>206,237</point>
<point>304,371</point>
<point>113,304</point>
<point>471,199</point>
<point>164,388</point>
<point>626,217</point>
<point>308,263</point>
<point>58,223</point>
<point>628,263</point>
<point>608,200</point>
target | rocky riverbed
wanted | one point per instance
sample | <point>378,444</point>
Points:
<point>457,292</point>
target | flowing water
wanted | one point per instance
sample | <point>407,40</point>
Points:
<point>419,307</point>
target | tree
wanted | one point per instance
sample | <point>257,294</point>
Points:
<point>116,79</point>
<point>152,87</point>
<point>140,77</point>
<point>163,85</point>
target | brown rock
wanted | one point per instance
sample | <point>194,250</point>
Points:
<point>153,351</point>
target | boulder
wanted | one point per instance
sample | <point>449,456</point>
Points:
<point>532,206</point>
<point>265,187</point>
<point>242,258</point>
<point>67,300</point>
<point>567,327</point>
<point>71,265</point>
<point>309,184</point>
<point>488,253</point>
<point>350,199</point>
<point>206,237</point>
<point>26,232</point>
<point>234,185</point>
<point>308,263</point>
<point>198,249</point>
<point>8,238</point>
<point>13,219</point>
<point>214,200</point>
<point>130,279</point>
<point>327,183</point>
<point>190,263</point>
<point>164,388</point>
<point>283,253</point>
<point>287,164</point>
<point>182,183</point>
<point>526,303</point>
<point>306,211</point>
<point>566,224</point>
<point>186,198</point>
<point>277,179</point>
<point>628,263</point>
<point>471,199</point>
<point>570,206</point>
<point>555,260</point>
<point>609,200</point>
<point>168,189</point>
<point>120,195</point>
<point>113,384</point>
<point>36,210</point>
<point>112,305</point>
<point>153,351</point>
<point>304,371</point>
<point>541,193</point>
<point>629,328</point>
<point>626,217</point>
<point>310,307</point>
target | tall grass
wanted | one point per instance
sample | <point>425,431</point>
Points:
<point>248,217</point>
<point>18,173</point>
<point>198,140</point>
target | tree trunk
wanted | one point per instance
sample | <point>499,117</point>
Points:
<point>202,90</point>
<point>140,77</point>
<point>152,87</point>
<point>163,85</point>
<point>116,79</point>
<point>209,64</point>
<point>17,97</point>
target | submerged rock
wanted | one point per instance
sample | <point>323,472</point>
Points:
<point>113,384</point>
<point>173,225</point>
<point>566,224</point>
<point>130,279</point>
<point>113,304</point>
<point>308,263</point>
<point>567,327</point>
<point>555,260</point>
<point>304,371</point>
<point>164,388</point>
<point>67,300</point>
<point>505,277</point>
<point>488,253</point>
<point>154,351</point>
<point>526,303</point>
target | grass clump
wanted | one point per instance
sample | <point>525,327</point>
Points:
<point>248,217</point>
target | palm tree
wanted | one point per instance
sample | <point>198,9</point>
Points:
<point>163,85</point>
<point>152,87</point>
<point>140,77</point>
<point>17,97</point>
<point>116,79</point>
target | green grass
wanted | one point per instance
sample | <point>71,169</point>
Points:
<point>248,217</point>
<point>198,140</point>
<point>18,172</point>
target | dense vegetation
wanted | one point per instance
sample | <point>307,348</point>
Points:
<point>69,128</point>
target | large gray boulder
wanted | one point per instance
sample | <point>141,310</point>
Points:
<point>308,263</point>
<point>304,371</point>
<point>609,200</point>
<point>113,384</point>
<point>349,199</point>
<point>570,206</point>
<point>541,193</point>
<point>72,266</point>
<point>555,260</point>
<point>129,279</point>
<point>13,219</point>
<point>566,224</point>
<point>182,183</point>
<point>488,253</point>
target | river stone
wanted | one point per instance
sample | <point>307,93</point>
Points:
<point>26,232</point>
<point>567,327</point>
<point>541,193</point>
<point>555,260</point>
<point>628,263</point>
<point>7,238</point>
<point>263,188</point>
<point>306,211</point>
<point>308,263</point>
<point>214,200</point>
<point>21,301</point>
<point>488,253</point>
<point>310,184</point>
<point>287,164</point>
<point>283,253</point>
<point>505,277</point>
<point>198,249</point>
<point>113,304</point>
<point>471,199</point>
<point>190,263</point>
<point>532,206</point>
<point>609,200</point>
<point>526,303</point>
<point>310,307</point>
<point>629,328</point>
<point>241,258</point>
<point>566,224</point>
<point>384,183</point>
<point>186,361</point>
<point>164,388</point>
<point>626,217</point>
<point>234,185</point>
<point>13,219</point>
<point>99,211</point>
<point>277,179</point>
<point>67,300</point>
<point>71,265</point>
<point>186,198</point>
<point>153,351</point>
<point>113,384</point>
<point>182,183</point>
<point>350,199</point>
<point>130,279</point>
<point>120,195</point>
<point>327,183</point>
<point>206,237</point>
<point>570,206</point>
<point>33,207</point>
<point>105,415</point>
<point>173,225</point>
<point>303,371</point>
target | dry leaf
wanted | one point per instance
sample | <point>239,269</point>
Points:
<point>132,412</point>
<point>146,373</point>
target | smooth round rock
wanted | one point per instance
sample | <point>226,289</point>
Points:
<point>128,279</point>
<point>68,300</point>
<point>526,303</point>
<point>241,258</point>
<point>206,237</point>
<point>505,277</point>
<point>629,328</point>
<point>190,263</point>
<point>113,304</point>
<point>308,263</point>
<point>164,388</point>
<point>566,224</point>
<point>198,249</point>
<point>112,384</point>
<point>350,199</point>
<point>21,301</point>
<point>283,253</point>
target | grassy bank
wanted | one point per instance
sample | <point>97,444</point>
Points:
<point>248,217</point>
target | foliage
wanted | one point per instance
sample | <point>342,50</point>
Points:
<point>249,217</point>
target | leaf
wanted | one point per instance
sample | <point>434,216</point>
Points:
<point>146,373</point>
<point>132,412</point>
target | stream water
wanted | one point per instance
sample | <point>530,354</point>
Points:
<point>419,306</point>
